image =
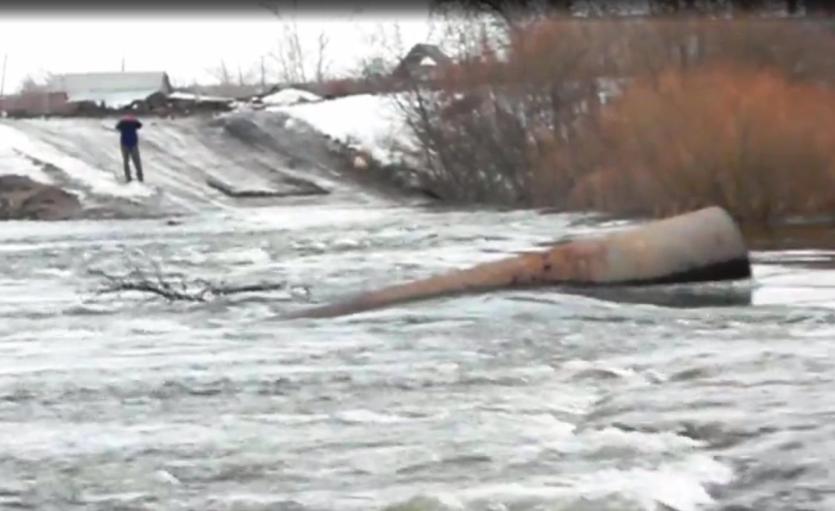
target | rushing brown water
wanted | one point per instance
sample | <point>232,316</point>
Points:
<point>520,400</point>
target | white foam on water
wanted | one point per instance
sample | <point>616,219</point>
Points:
<point>679,484</point>
<point>789,285</point>
<point>360,416</point>
<point>254,255</point>
<point>625,443</point>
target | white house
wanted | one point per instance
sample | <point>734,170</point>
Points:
<point>113,90</point>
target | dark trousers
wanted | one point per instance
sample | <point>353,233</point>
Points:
<point>132,153</point>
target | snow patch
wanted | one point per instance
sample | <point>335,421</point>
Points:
<point>291,96</point>
<point>13,162</point>
<point>428,61</point>
<point>364,122</point>
<point>199,98</point>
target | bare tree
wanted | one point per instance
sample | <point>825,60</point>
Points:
<point>465,34</point>
<point>513,15</point>
<point>295,63</point>
<point>322,64</point>
<point>221,74</point>
<point>291,55</point>
<point>36,82</point>
<point>248,76</point>
<point>229,82</point>
<point>387,44</point>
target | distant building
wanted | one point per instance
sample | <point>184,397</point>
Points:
<point>35,104</point>
<point>183,102</point>
<point>423,62</point>
<point>375,68</point>
<point>225,90</point>
<point>114,90</point>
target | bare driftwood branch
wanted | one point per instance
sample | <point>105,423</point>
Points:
<point>175,287</point>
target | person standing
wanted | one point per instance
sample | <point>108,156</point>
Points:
<point>129,140</point>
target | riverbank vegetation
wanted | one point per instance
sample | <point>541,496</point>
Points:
<point>643,116</point>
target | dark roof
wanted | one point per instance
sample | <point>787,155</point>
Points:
<point>418,53</point>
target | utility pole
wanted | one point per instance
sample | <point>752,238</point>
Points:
<point>3,79</point>
<point>263,76</point>
<point>123,64</point>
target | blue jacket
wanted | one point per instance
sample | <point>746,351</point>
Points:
<point>128,127</point>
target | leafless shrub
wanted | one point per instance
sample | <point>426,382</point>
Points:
<point>480,122</point>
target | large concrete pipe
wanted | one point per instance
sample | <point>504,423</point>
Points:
<point>704,245</point>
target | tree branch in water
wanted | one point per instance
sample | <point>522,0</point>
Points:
<point>175,287</point>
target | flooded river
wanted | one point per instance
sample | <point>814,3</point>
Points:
<point>521,400</point>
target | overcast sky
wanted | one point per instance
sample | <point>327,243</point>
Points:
<point>188,45</point>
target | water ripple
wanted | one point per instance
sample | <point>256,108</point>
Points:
<point>521,400</point>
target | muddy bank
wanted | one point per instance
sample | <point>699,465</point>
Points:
<point>22,198</point>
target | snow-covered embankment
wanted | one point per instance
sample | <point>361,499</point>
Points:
<point>373,128</point>
<point>190,163</point>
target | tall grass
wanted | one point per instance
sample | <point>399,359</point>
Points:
<point>751,141</point>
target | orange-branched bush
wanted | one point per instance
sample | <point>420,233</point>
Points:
<point>734,113</point>
<point>751,141</point>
